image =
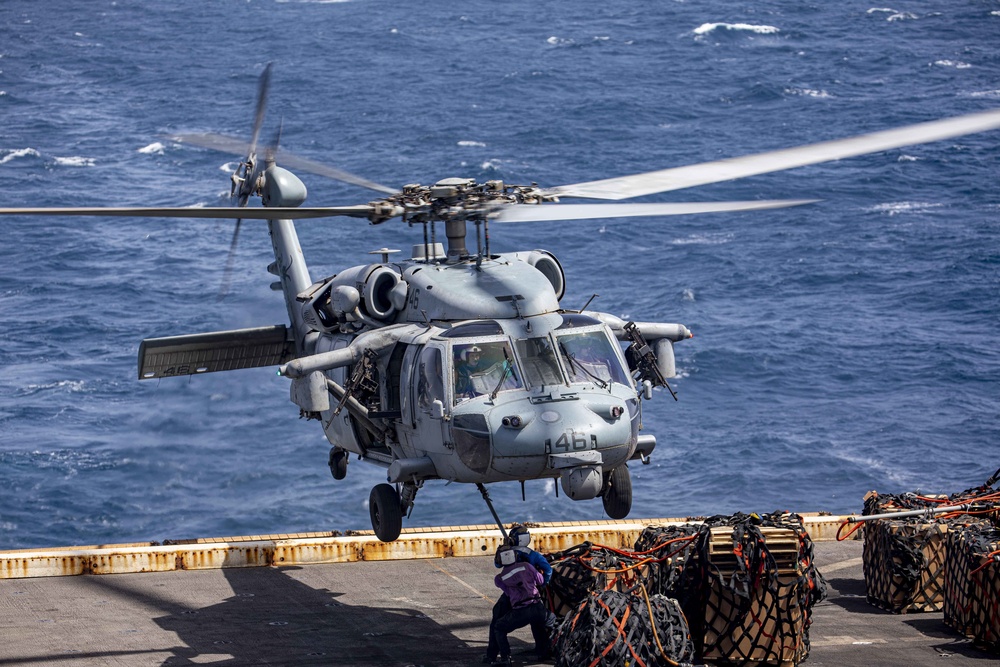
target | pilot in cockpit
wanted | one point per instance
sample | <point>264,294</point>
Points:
<point>469,363</point>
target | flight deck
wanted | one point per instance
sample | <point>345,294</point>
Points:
<point>324,598</point>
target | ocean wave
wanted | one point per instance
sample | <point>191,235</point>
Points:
<point>71,386</point>
<point>706,28</point>
<point>895,208</point>
<point>957,64</point>
<point>881,10</point>
<point>75,161</point>
<point>704,239</point>
<point>475,144</point>
<point>22,152</point>
<point>902,16</point>
<point>808,92</point>
<point>155,148</point>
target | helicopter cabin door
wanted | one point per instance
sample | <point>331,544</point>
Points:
<point>424,399</point>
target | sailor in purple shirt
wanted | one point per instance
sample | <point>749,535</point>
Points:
<point>519,580</point>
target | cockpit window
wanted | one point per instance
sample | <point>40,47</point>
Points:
<point>589,357</point>
<point>574,320</point>
<point>483,368</point>
<point>470,329</point>
<point>539,361</point>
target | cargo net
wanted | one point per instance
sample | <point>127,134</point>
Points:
<point>972,587</point>
<point>904,559</point>
<point>611,601</point>
<point>613,628</point>
<point>759,587</point>
<point>746,585</point>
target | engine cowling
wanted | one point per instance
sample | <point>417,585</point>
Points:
<point>373,292</point>
<point>548,265</point>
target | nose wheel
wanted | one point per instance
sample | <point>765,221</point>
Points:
<point>386,512</point>
<point>338,462</point>
<point>617,493</point>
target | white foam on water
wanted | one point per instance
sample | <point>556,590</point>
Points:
<point>22,152</point>
<point>706,28</point>
<point>75,161</point>
<point>881,10</point>
<point>476,144</point>
<point>957,64</point>
<point>809,92</point>
<point>155,148</point>
<point>704,239</point>
<point>895,208</point>
<point>902,16</point>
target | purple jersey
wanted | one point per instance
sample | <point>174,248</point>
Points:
<point>520,582</point>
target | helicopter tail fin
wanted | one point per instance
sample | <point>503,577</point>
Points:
<point>195,354</point>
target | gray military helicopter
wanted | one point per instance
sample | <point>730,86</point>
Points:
<point>459,364</point>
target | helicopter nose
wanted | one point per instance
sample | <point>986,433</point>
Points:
<point>555,438</point>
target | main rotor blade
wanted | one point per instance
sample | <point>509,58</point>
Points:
<point>538,212</point>
<point>272,213</point>
<point>235,146</point>
<point>718,171</point>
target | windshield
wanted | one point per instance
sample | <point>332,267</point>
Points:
<point>483,368</point>
<point>539,361</point>
<point>590,357</point>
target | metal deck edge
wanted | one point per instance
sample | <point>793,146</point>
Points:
<point>310,548</point>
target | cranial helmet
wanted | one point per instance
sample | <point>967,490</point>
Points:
<point>475,349</point>
<point>519,536</point>
<point>505,556</point>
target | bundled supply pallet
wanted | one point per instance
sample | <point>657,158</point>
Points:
<point>746,585</point>
<point>904,565</point>
<point>761,586</point>
<point>904,558</point>
<point>610,609</point>
<point>972,584</point>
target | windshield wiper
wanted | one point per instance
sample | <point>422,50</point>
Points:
<point>575,363</point>
<point>508,367</point>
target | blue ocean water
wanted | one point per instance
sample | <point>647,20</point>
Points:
<point>839,347</point>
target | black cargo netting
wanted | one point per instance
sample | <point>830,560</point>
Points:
<point>613,628</point>
<point>958,568</point>
<point>746,585</point>
<point>760,587</point>
<point>904,559</point>
<point>972,599</point>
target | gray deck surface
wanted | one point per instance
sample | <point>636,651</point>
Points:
<point>414,612</point>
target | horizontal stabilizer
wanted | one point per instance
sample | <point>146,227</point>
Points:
<point>216,351</point>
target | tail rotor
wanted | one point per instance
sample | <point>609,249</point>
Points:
<point>244,178</point>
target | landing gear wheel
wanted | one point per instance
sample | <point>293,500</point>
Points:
<point>386,513</point>
<point>617,494</point>
<point>338,462</point>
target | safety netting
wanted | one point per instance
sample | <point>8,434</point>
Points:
<point>612,628</point>
<point>972,584</point>
<point>746,585</point>
<point>760,584</point>
<point>904,558</point>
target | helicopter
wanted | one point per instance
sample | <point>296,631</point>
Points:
<point>454,363</point>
